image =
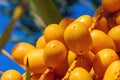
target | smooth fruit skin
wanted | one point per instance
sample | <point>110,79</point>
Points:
<point>71,57</point>
<point>114,33</point>
<point>111,5</point>
<point>35,60</point>
<point>102,60</point>
<point>40,43</point>
<point>101,41</point>
<point>77,38</point>
<point>85,19</point>
<point>118,19</point>
<point>54,53</point>
<point>11,75</point>
<point>79,73</point>
<point>53,32</point>
<point>65,22</point>
<point>113,71</point>
<point>20,50</point>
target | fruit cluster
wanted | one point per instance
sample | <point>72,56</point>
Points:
<point>86,48</point>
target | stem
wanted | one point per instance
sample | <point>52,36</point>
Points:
<point>10,57</point>
<point>7,54</point>
<point>66,77</point>
<point>38,18</point>
<point>45,73</point>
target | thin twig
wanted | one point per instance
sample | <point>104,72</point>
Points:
<point>10,57</point>
<point>38,18</point>
<point>7,54</point>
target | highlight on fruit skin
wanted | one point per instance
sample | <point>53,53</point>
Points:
<point>54,53</point>
<point>85,48</point>
<point>85,19</point>
<point>77,38</point>
<point>20,50</point>
<point>53,32</point>
<point>114,34</point>
<point>101,40</point>
<point>102,60</point>
<point>79,73</point>
<point>40,43</point>
<point>11,75</point>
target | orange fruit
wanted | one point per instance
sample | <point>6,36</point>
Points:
<point>54,53</point>
<point>40,43</point>
<point>111,5</point>
<point>71,57</point>
<point>113,71</point>
<point>101,41</point>
<point>20,50</point>
<point>77,38</point>
<point>92,73</point>
<point>53,32</point>
<point>65,22</point>
<point>103,59</point>
<point>11,75</point>
<point>102,24</point>
<point>35,60</point>
<point>114,34</point>
<point>118,19</point>
<point>85,19</point>
<point>84,61</point>
<point>79,73</point>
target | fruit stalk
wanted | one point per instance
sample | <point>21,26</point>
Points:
<point>6,54</point>
<point>45,73</point>
<point>9,56</point>
<point>70,69</point>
